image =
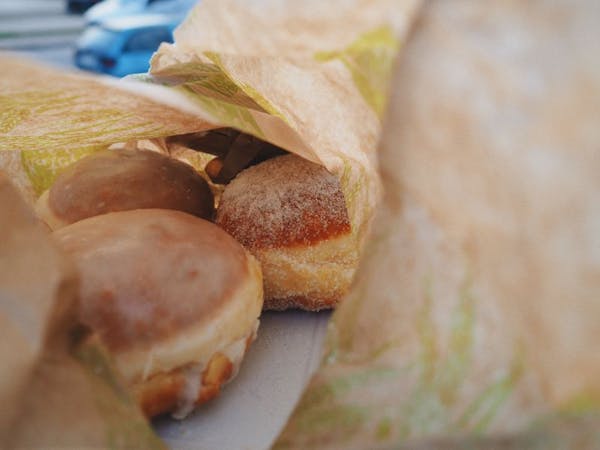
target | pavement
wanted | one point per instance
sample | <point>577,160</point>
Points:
<point>60,57</point>
<point>40,29</point>
<point>35,7</point>
<point>37,24</point>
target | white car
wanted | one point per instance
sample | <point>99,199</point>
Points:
<point>109,9</point>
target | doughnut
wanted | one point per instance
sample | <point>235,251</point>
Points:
<point>174,298</point>
<point>120,180</point>
<point>291,215</point>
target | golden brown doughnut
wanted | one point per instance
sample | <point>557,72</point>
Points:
<point>120,180</point>
<point>173,297</point>
<point>291,214</point>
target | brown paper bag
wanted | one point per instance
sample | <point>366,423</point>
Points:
<point>476,309</point>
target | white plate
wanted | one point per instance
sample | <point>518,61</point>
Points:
<point>253,408</point>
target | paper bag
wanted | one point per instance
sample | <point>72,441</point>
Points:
<point>476,307</point>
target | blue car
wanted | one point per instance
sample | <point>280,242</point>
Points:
<point>108,9</point>
<point>124,45</point>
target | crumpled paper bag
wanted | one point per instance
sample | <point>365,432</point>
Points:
<point>476,309</point>
<point>51,118</point>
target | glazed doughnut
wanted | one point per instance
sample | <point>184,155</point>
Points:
<point>120,180</point>
<point>291,214</point>
<point>173,297</point>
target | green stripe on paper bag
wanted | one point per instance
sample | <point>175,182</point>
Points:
<point>43,166</point>
<point>247,89</point>
<point>436,399</point>
<point>369,59</point>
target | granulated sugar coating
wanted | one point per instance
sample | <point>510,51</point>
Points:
<point>283,202</point>
<point>290,213</point>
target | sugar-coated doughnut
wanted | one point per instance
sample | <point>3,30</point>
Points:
<point>174,298</point>
<point>120,180</point>
<point>291,214</point>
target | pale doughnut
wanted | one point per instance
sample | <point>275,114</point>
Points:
<point>174,298</point>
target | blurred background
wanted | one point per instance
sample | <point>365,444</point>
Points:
<point>114,37</point>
